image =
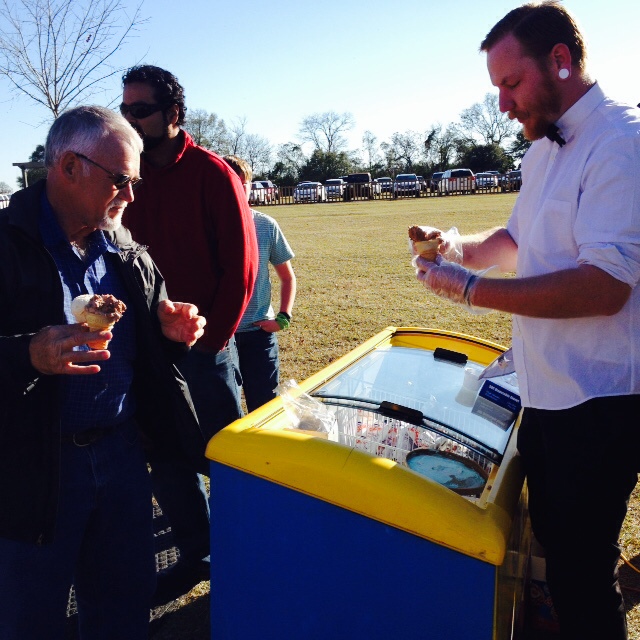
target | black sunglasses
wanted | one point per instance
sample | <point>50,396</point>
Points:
<point>120,181</point>
<point>141,111</point>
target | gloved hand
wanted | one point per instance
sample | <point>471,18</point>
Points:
<point>451,247</point>
<point>446,279</point>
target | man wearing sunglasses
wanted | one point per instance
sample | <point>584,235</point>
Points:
<point>192,212</point>
<point>75,493</point>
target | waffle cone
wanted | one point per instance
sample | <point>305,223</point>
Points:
<point>97,345</point>
<point>427,249</point>
<point>98,323</point>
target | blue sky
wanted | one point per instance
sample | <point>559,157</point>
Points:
<point>394,67</point>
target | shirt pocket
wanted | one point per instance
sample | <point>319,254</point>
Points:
<point>552,230</point>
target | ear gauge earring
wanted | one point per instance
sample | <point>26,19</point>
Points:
<point>563,74</point>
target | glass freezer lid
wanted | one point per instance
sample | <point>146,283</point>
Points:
<point>428,387</point>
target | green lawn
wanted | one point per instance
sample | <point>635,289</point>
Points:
<point>355,277</point>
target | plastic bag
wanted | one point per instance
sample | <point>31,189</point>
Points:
<point>305,412</point>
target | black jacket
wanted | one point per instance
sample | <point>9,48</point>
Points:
<point>31,298</point>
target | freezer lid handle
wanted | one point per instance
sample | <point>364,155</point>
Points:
<point>400,412</point>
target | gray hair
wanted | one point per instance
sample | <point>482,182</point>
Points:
<point>82,129</point>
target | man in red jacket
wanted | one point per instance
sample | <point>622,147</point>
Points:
<point>192,212</point>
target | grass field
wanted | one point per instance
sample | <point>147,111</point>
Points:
<point>355,278</point>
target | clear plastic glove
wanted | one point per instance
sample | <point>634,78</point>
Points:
<point>451,247</point>
<point>450,280</point>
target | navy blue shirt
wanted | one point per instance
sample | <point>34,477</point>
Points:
<point>101,399</point>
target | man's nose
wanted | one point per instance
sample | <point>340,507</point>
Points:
<point>505,101</point>
<point>126,193</point>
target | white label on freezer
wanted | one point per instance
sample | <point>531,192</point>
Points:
<point>497,404</point>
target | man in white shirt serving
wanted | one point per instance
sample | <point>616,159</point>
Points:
<point>573,240</point>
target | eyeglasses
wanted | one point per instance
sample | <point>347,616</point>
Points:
<point>120,181</point>
<point>141,111</point>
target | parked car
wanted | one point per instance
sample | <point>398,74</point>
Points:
<point>335,188</point>
<point>435,180</point>
<point>309,192</point>
<point>406,184</point>
<point>486,180</point>
<point>360,185</point>
<point>457,181</point>
<point>511,181</point>
<point>386,184</point>
<point>423,184</point>
<point>258,194</point>
<point>273,193</point>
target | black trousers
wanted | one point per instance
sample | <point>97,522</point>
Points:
<point>581,465</point>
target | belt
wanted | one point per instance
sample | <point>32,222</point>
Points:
<point>87,436</point>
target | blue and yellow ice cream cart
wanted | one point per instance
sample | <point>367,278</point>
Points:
<point>400,514</point>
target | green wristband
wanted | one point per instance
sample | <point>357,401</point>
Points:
<point>283,321</point>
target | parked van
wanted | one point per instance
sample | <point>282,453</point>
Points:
<point>457,181</point>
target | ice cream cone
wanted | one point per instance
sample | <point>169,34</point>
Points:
<point>97,323</point>
<point>425,242</point>
<point>99,312</point>
<point>427,249</point>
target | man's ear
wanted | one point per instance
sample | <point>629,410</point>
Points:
<point>561,60</point>
<point>173,112</point>
<point>70,166</point>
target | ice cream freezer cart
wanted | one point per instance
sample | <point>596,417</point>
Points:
<point>400,514</point>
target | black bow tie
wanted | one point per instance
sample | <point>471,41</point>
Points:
<point>554,136</point>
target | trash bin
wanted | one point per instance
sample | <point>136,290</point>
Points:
<point>407,519</point>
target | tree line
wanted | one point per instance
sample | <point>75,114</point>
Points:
<point>482,139</point>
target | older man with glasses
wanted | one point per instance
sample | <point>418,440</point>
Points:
<point>75,492</point>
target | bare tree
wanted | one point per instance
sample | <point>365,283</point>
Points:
<point>58,52</point>
<point>486,121</point>
<point>403,150</point>
<point>207,130</point>
<point>291,157</point>
<point>440,147</point>
<point>324,130</point>
<point>370,148</point>
<point>235,137</point>
<point>257,152</point>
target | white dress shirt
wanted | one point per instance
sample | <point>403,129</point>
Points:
<point>580,204</point>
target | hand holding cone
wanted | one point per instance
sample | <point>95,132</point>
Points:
<point>426,245</point>
<point>100,312</point>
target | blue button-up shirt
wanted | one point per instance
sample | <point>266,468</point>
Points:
<point>101,399</point>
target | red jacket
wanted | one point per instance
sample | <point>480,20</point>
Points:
<point>194,216</point>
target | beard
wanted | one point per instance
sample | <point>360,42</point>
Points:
<point>150,142</point>
<point>544,110</point>
<point>112,218</point>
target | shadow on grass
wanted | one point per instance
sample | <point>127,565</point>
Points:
<point>630,583</point>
